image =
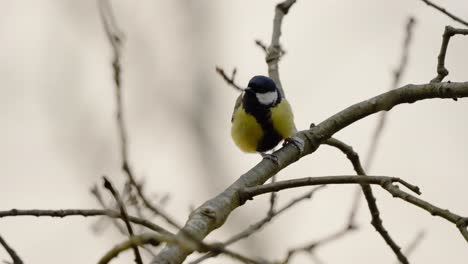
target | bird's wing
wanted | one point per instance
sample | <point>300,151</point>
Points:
<point>236,106</point>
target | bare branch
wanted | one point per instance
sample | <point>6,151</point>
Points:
<point>397,74</point>
<point>448,33</point>
<point>370,198</point>
<point>133,242</point>
<point>97,194</point>
<point>384,181</point>
<point>123,212</point>
<point>414,243</point>
<point>311,247</point>
<point>443,10</point>
<point>114,36</point>
<point>229,80</point>
<point>250,192</point>
<point>260,224</point>
<point>85,213</point>
<point>16,259</point>
<point>274,51</point>
<point>214,212</point>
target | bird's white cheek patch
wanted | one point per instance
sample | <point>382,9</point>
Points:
<point>267,98</point>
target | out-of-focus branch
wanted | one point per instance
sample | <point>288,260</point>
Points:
<point>443,10</point>
<point>157,239</point>
<point>448,33</point>
<point>85,213</point>
<point>115,36</point>
<point>229,80</point>
<point>397,75</point>
<point>260,224</point>
<point>123,213</point>
<point>312,246</point>
<point>414,243</point>
<point>14,256</point>
<point>250,192</point>
<point>133,242</point>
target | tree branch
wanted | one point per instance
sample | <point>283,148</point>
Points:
<point>443,10</point>
<point>385,182</point>
<point>397,74</point>
<point>123,213</point>
<point>115,36</point>
<point>249,192</point>
<point>229,80</point>
<point>260,224</point>
<point>274,51</point>
<point>448,33</point>
<point>215,211</point>
<point>85,213</point>
<point>370,198</point>
<point>16,259</point>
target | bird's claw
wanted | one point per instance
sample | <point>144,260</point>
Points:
<point>271,157</point>
<point>296,141</point>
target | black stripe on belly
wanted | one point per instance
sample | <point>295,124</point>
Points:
<point>262,114</point>
<point>270,138</point>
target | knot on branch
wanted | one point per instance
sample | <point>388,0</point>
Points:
<point>208,212</point>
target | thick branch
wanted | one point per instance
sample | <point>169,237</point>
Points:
<point>214,212</point>
<point>14,256</point>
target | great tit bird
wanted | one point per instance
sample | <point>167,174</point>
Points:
<point>262,117</point>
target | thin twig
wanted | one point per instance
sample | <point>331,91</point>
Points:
<point>448,33</point>
<point>260,224</point>
<point>250,192</point>
<point>229,80</point>
<point>82,212</point>
<point>311,247</point>
<point>14,256</point>
<point>397,76</point>
<point>443,10</point>
<point>115,37</point>
<point>97,194</point>
<point>384,181</point>
<point>370,198</point>
<point>414,243</point>
<point>123,212</point>
<point>133,242</point>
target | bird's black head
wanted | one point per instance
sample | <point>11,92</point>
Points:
<point>261,92</point>
<point>262,84</point>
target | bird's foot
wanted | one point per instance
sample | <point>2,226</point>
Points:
<point>296,141</point>
<point>271,157</point>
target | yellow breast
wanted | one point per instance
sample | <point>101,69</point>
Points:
<point>245,130</point>
<point>283,119</point>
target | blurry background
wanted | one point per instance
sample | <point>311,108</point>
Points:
<point>58,132</point>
